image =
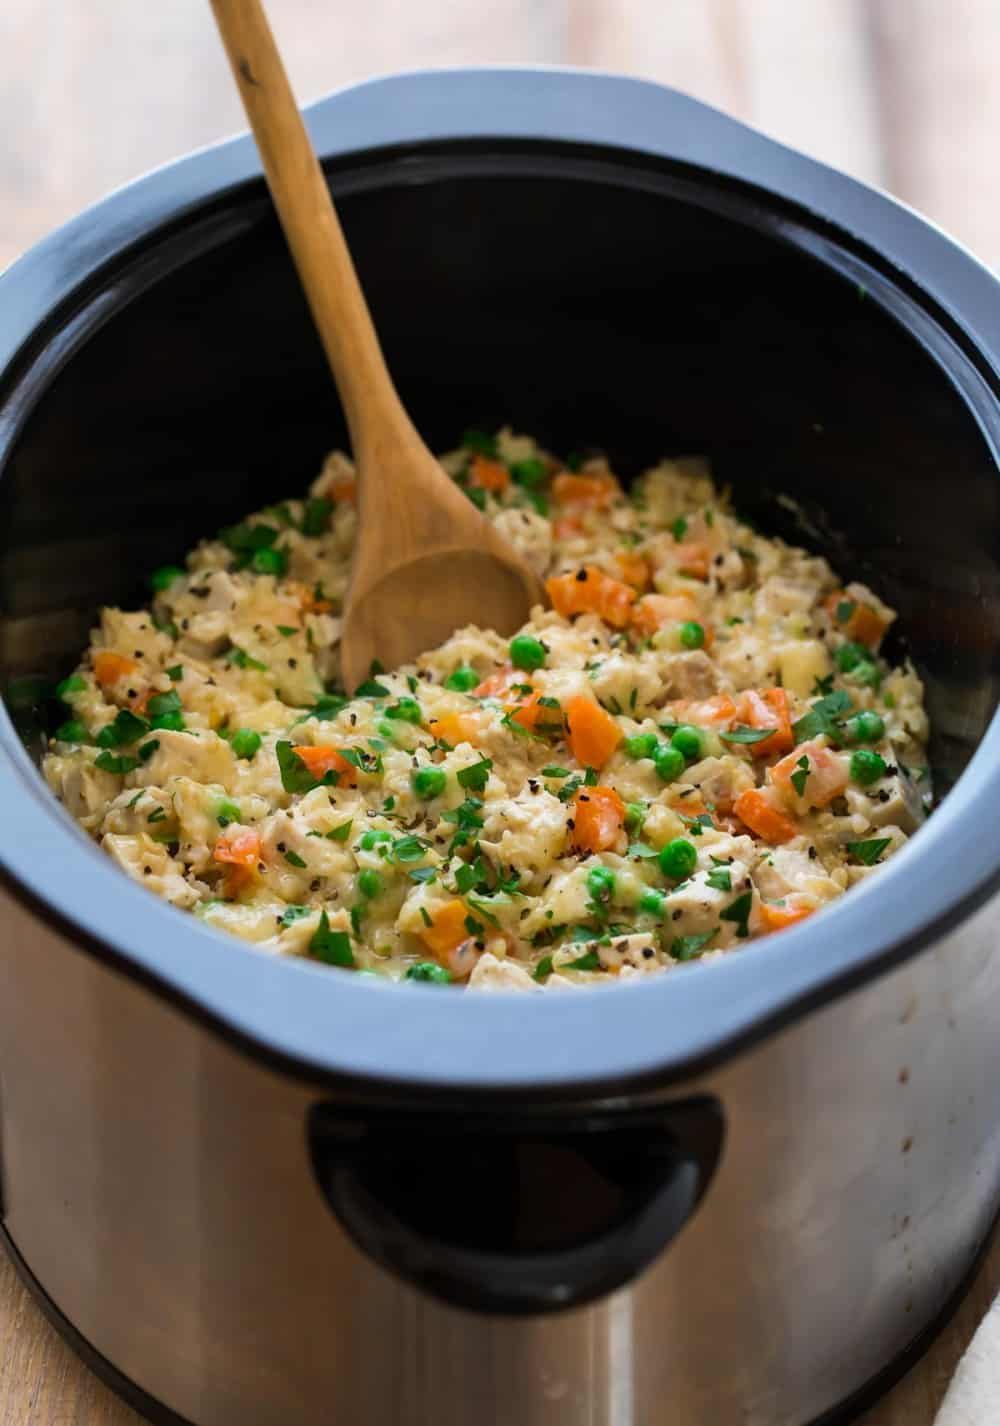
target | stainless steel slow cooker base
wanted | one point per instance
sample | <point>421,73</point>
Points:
<point>158,1181</point>
<point>159,1415</point>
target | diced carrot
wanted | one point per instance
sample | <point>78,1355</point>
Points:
<point>593,733</point>
<point>590,492</point>
<point>715,712</point>
<point>658,611</point>
<point>239,850</point>
<point>756,810</point>
<point>768,709</point>
<point>495,685</point>
<point>567,527</point>
<point>344,488</point>
<point>825,778</point>
<point>598,818</point>
<point>591,591</point>
<point>455,728</point>
<point>693,557</point>
<point>863,625</point>
<point>776,918</point>
<point>109,667</point>
<point>635,570</point>
<point>240,846</point>
<point>322,758</point>
<point>308,600</point>
<point>527,711</point>
<point>447,928</point>
<point>488,474</point>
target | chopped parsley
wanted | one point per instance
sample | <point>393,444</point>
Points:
<point>799,778</point>
<point>823,717</point>
<point>685,948</point>
<point>720,879</point>
<point>295,776</point>
<point>747,735</point>
<point>870,851</point>
<point>476,775</point>
<point>333,947</point>
<point>110,762</point>
<point>126,728</point>
<point>408,849</point>
<point>242,659</point>
<point>316,515</point>
<point>590,960</point>
<point>739,911</point>
<point>293,859</point>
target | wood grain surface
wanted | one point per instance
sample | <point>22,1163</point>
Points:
<point>901,93</point>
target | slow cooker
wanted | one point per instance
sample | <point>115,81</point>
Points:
<point>744,1194</point>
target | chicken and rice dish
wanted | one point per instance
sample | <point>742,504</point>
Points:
<point>695,744</point>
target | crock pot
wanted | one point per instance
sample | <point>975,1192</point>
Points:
<point>269,1193</point>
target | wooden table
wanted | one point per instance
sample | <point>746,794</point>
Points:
<point>42,1383</point>
<point>898,92</point>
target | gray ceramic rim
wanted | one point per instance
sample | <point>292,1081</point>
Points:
<point>331,1025</point>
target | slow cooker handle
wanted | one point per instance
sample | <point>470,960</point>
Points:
<point>515,1214</point>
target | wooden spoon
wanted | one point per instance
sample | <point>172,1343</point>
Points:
<point>426,561</point>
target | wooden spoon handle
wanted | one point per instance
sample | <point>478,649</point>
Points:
<point>308,217</point>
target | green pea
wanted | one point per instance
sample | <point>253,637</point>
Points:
<point>867,673</point>
<point>678,858</point>
<point>692,635</point>
<point>643,745</point>
<point>407,710</point>
<point>526,652</point>
<point>529,473</point>
<point>171,722</point>
<point>865,727</point>
<point>688,742</point>
<point>652,902</point>
<point>601,883</point>
<point>71,732</point>
<point>428,971</point>
<point>226,812</point>
<point>428,781</point>
<point>245,743</point>
<point>462,680</point>
<point>669,762</point>
<point>164,577</point>
<point>372,837</point>
<point>635,815</point>
<point>848,656</point>
<point>369,883</point>
<point>867,767</point>
<point>270,561</point>
<point>73,684</point>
